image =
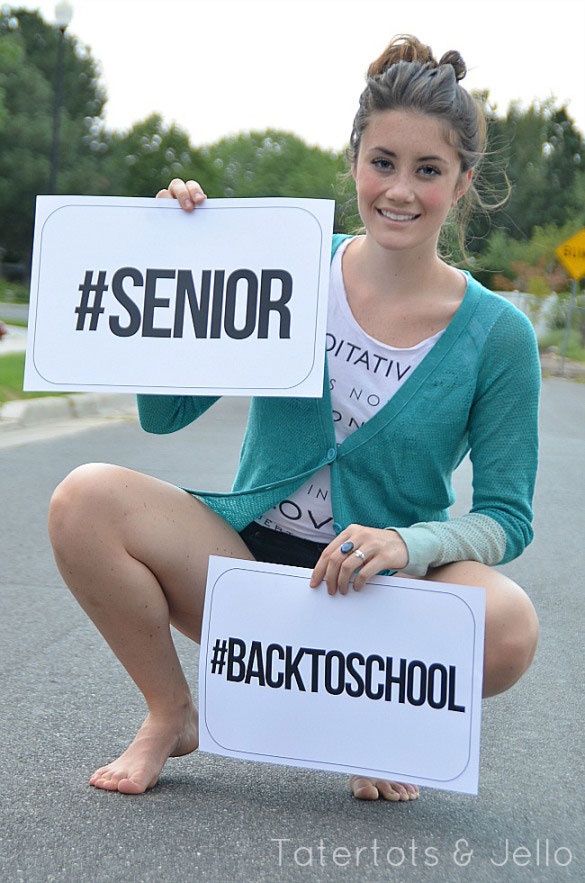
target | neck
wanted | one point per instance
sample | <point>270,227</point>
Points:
<point>401,273</point>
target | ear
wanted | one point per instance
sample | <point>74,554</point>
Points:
<point>353,170</point>
<point>463,185</point>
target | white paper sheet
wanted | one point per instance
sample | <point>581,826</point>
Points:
<point>385,682</point>
<point>136,295</point>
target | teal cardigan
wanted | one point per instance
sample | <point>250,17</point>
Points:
<point>477,390</point>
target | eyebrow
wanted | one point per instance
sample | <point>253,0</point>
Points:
<point>419,159</point>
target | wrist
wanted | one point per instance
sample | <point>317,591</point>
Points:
<point>400,553</point>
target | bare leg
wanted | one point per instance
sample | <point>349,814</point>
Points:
<point>134,551</point>
<point>511,637</point>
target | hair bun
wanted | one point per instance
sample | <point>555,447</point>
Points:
<point>453,58</point>
<point>404,47</point>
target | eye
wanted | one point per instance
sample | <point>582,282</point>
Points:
<point>382,163</point>
<point>429,171</point>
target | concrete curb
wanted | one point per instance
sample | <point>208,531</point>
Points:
<point>25,413</point>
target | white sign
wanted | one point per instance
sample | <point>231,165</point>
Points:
<point>385,682</point>
<point>136,295</point>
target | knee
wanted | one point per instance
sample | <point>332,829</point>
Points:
<point>511,640</point>
<point>79,500</point>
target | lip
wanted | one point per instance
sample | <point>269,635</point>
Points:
<point>399,217</point>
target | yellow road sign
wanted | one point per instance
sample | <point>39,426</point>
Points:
<point>571,254</point>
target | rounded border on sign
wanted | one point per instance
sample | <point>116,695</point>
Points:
<point>186,390</point>
<point>307,761</point>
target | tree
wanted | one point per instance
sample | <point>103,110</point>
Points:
<point>542,153</point>
<point>564,152</point>
<point>273,163</point>
<point>28,47</point>
<point>84,96</point>
<point>143,160</point>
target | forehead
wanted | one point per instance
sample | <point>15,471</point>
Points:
<point>403,131</point>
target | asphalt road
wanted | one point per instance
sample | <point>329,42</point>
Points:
<point>68,707</point>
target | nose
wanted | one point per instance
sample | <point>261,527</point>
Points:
<point>400,188</point>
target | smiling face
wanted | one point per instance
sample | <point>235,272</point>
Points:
<point>407,177</point>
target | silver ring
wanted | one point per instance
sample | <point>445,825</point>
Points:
<point>346,547</point>
<point>360,554</point>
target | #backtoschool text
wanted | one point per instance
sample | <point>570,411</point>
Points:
<point>214,306</point>
<point>308,668</point>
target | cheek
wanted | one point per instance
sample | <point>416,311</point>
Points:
<point>364,188</point>
<point>437,198</point>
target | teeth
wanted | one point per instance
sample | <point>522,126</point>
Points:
<point>395,217</point>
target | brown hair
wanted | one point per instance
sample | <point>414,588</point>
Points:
<point>406,76</point>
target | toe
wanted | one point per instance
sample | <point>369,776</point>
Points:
<point>109,784</point>
<point>391,790</point>
<point>104,783</point>
<point>103,770</point>
<point>106,778</point>
<point>363,788</point>
<point>129,786</point>
<point>388,790</point>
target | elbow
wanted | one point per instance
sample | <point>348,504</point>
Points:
<point>517,541</point>
<point>155,430</point>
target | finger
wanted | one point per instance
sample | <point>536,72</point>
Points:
<point>321,565</point>
<point>187,193</point>
<point>176,190</point>
<point>318,573</point>
<point>340,568</point>
<point>320,568</point>
<point>195,192</point>
<point>332,563</point>
<point>343,578</point>
<point>332,576</point>
<point>369,568</point>
<point>332,551</point>
<point>348,566</point>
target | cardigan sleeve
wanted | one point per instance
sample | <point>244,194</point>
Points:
<point>503,441</point>
<point>163,414</point>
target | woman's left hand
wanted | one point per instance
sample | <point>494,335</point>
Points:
<point>381,550</point>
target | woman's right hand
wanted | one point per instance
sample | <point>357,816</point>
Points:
<point>189,193</point>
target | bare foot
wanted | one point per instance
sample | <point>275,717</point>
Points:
<point>371,789</point>
<point>139,767</point>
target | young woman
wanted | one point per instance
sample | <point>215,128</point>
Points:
<point>444,367</point>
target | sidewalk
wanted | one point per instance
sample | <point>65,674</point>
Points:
<point>14,341</point>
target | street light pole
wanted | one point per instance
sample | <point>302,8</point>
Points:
<point>63,15</point>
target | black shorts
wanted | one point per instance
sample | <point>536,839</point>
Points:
<point>278,547</point>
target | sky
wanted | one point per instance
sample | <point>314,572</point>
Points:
<point>217,67</point>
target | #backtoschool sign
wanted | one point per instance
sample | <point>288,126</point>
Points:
<point>294,676</point>
<point>136,295</point>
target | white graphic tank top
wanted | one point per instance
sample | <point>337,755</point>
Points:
<point>364,374</point>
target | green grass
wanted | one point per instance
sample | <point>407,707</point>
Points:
<point>20,323</point>
<point>11,375</point>
<point>14,292</point>
<point>575,350</point>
